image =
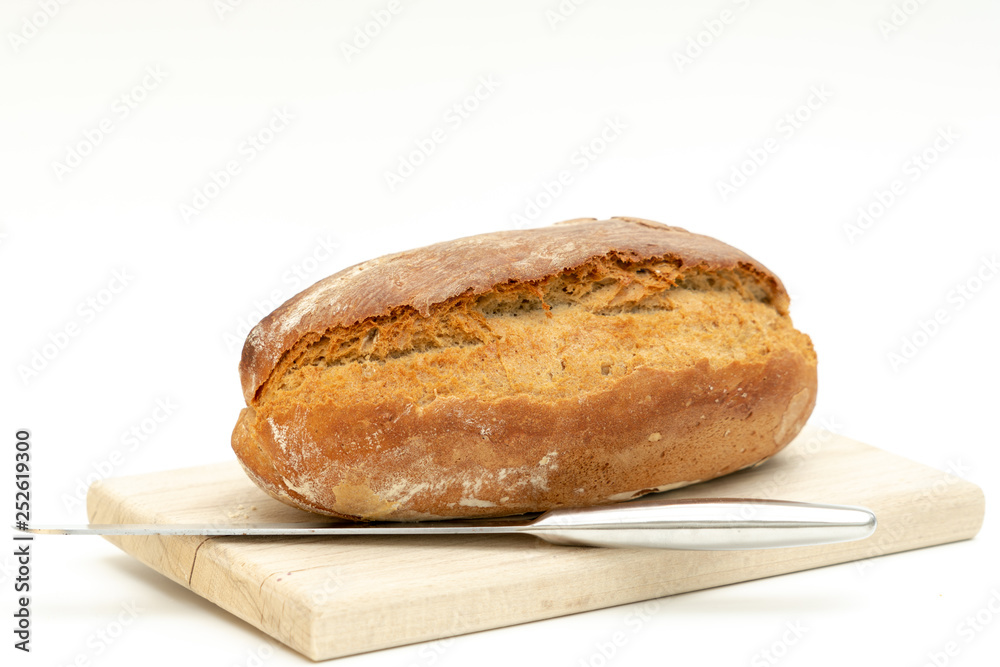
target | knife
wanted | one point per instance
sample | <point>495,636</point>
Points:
<point>715,524</point>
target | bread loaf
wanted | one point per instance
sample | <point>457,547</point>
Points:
<point>584,363</point>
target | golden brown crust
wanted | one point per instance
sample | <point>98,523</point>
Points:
<point>670,429</point>
<point>426,276</point>
<point>353,438</point>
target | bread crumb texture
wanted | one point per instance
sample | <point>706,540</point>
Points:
<point>605,380</point>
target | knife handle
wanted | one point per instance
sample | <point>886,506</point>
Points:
<point>717,524</point>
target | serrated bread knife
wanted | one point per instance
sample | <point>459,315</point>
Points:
<point>716,524</point>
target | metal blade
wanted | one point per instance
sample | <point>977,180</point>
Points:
<point>459,527</point>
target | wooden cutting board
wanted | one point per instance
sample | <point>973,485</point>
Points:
<point>333,596</point>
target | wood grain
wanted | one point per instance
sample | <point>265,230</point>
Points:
<point>334,596</point>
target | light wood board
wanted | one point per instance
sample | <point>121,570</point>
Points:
<point>334,596</point>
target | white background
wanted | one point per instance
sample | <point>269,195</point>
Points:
<point>193,285</point>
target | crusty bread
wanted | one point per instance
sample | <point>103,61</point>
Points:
<point>579,364</point>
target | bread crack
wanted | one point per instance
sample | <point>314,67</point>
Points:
<point>518,337</point>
